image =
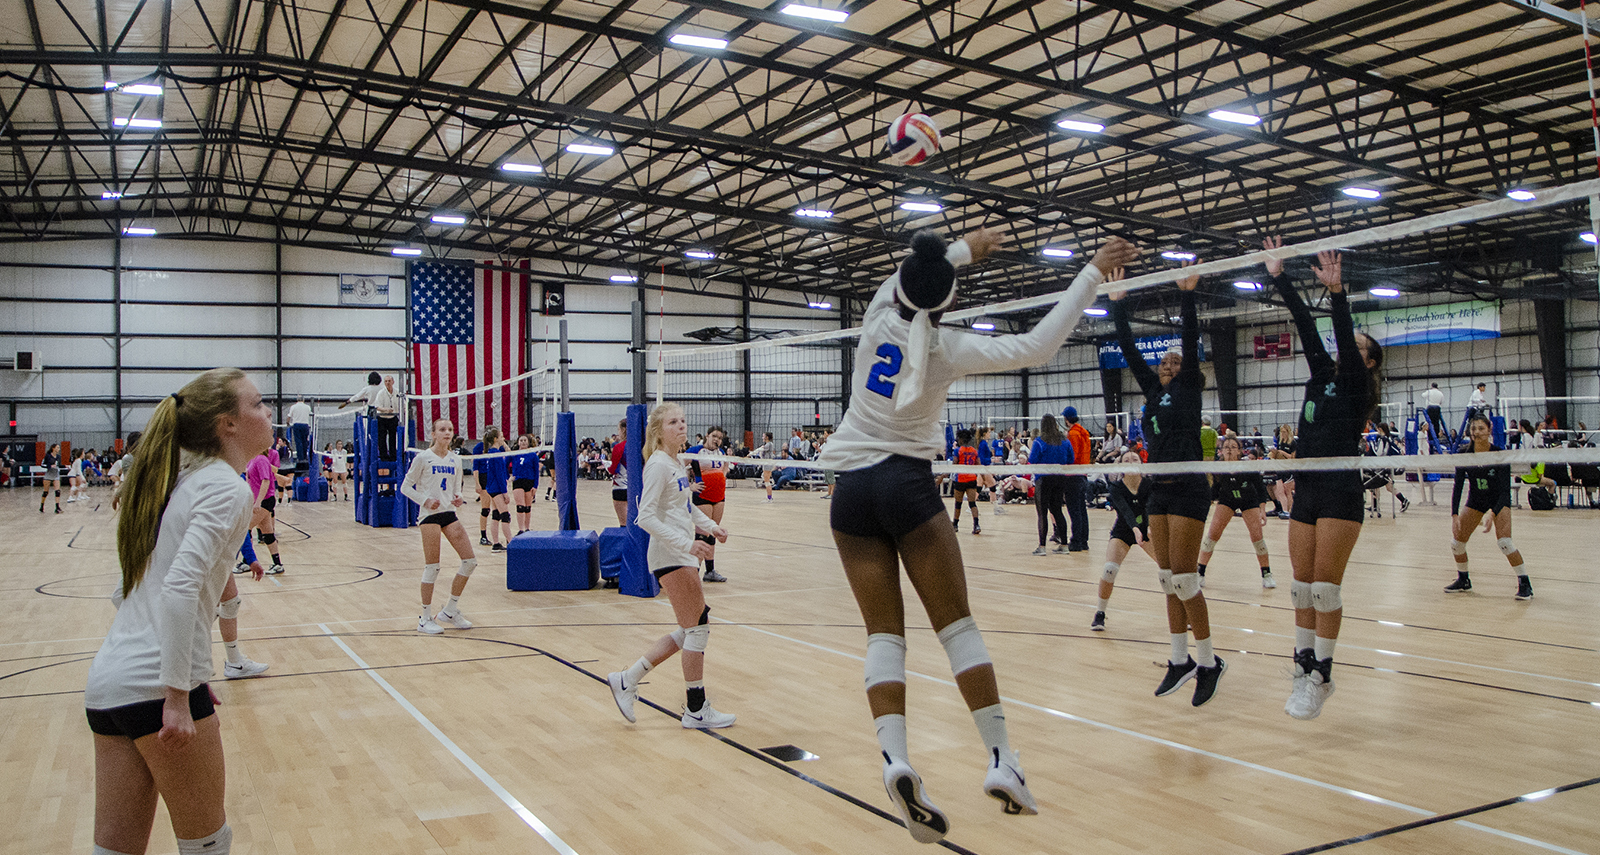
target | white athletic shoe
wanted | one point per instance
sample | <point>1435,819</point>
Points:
<point>1267,581</point>
<point>1005,782</point>
<point>999,509</point>
<point>429,626</point>
<point>926,823</point>
<point>247,668</point>
<point>457,620</point>
<point>623,696</point>
<point>707,718</point>
<point>1309,693</point>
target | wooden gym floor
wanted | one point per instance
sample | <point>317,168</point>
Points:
<point>367,737</point>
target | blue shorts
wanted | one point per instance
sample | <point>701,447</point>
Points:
<point>888,499</point>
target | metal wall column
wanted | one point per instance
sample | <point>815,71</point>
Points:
<point>1550,322</point>
<point>116,330</point>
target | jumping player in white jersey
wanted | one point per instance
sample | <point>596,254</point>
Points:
<point>887,508</point>
<point>434,483</point>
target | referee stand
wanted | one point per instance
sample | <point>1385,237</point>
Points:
<point>377,495</point>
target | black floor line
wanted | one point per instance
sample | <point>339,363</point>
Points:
<point>1443,817</point>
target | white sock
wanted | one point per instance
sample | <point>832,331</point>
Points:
<point>1203,654</point>
<point>219,843</point>
<point>101,850</point>
<point>1105,602</point>
<point>452,605</point>
<point>427,611</point>
<point>1324,647</point>
<point>232,648</point>
<point>1180,648</point>
<point>1303,637</point>
<point>892,735</point>
<point>636,671</point>
<point>1521,570</point>
<point>991,722</point>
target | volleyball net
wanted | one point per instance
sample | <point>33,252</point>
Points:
<point>800,378</point>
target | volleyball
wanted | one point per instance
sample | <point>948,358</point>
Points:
<point>913,138</point>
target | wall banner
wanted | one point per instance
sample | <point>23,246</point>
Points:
<point>361,289</point>
<point>1150,347</point>
<point>1464,321</point>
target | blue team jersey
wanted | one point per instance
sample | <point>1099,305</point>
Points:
<point>525,467</point>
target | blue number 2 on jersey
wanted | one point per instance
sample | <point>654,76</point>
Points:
<point>877,380</point>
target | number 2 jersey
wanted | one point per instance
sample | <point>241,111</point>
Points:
<point>873,428</point>
<point>433,477</point>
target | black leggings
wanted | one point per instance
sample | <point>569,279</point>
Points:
<point>1049,493</point>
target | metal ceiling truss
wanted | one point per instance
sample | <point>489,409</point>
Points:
<point>328,121</point>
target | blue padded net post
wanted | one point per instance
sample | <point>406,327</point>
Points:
<point>635,580</point>
<point>566,452</point>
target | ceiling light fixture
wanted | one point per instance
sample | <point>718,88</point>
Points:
<point>1235,118</point>
<point>702,254</point>
<point>591,148</point>
<point>820,305</point>
<point>136,230</point>
<point>836,16</point>
<point>624,277</point>
<point>1521,195</point>
<point>1588,237</point>
<point>1082,127</point>
<point>685,40</point>
<point>1056,252</point>
<point>142,89</point>
<point>1096,312</point>
<point>147,124</point>
<point>1244,285</point>
<point>1177,255</point>
<point>447,219</point>
<point>1384,292</point>
<point>814,213</point>
<point>982,325</point>
<point>406,251</point>
<point>923,207</point>
<point>111,194</point>
<point>533,168</point>
<point>1360,192</point>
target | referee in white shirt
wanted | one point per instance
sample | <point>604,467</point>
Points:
<point>1434,400</point>
<point>300,430</point>
<point>383,402</point>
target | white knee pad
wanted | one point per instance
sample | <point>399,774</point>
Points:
<point>219,843</point>
<point>1185,585</point>
<point>1300,594</point>
<point>467,567</point>
<point>886,658</point>
<point>1164,578</point>
<point>677,637</point>
<point>229,609</point>
<point>430,572</point>
<point>964,645</point>
<point>1325,597</point>
<point>1108,573</point>
<point>1458,547</point>
<point>1506,546</point>
<point>1208,545</point>
<point>695,638</point>
<point>1260,545</point>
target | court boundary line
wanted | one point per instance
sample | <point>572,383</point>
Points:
<point>483,776</point>
<point>1257,767</point>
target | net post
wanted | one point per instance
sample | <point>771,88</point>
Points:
<point>637,349</point>
<point>566,399</point>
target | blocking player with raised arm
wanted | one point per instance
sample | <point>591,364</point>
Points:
<point>1329,506</point>
<point>1178,504</point>
<point>887,510</point>
<point>434,482</point>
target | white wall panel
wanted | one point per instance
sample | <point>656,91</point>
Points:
<point>183,285</point>
<point>62,351</point>
<point>247,320</point>
<point>334,321</point>
<point>172,254</point>
<point>196,354</point>
<point>54,283</point>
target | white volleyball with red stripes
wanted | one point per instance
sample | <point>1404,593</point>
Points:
<point>913,138</point>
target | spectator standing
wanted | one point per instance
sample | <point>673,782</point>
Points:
<point>1208,439</point>
<point>1076,499</point>
<point>1433,399</point>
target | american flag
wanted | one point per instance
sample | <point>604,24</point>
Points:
<point>467,334</point>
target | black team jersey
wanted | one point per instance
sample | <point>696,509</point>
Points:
<point>1130,505</point>
<point>1485,485</point>
<point>1172,412</point>
<point>1335,410</point>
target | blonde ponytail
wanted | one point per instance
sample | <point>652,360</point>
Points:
<point>185,421</point>
<point>653,427</point>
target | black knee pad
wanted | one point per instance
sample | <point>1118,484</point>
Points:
<point>485,513</point>
<point>503,516</point>
<point>705,616</point>
<point>58,493</point>
<point>524,509</point>
<point>269,538</point>
<point>705,538</point>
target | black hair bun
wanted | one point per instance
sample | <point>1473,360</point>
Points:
<point>927,245</point>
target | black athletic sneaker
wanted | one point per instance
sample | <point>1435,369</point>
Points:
<point>499,547</point>
<point>1205,681</point>
<point>1524,588</point>
<point>1463,583</point>
<point>1177,675</point>
<point>1099,622</point>
<point>1405,504</point>
<point>976,529</point>
<point>483,540</point>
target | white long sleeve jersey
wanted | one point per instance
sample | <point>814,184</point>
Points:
<point>161,635</point>
<point>873,429</point>
<point>667,512</point>
<point>434,477</point>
